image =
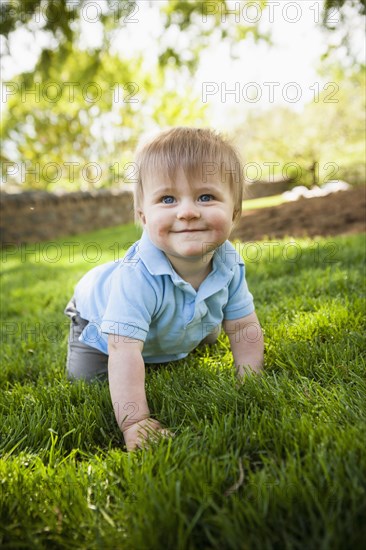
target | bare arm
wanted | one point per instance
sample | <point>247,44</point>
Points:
<point>246,341</point>
<point>126,374</point>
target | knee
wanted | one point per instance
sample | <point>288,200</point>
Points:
<point>86,376</point>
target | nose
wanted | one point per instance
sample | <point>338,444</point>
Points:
<point>188,210</point>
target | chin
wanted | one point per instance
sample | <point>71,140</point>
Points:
<point>192,251</point>
<point>188,252</point>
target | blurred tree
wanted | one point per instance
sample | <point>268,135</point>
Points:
<point>60,18</point>
<point>330,5</point>
<point>74,120</point>
<point>66,122</point>
<point>325,141</point>
<point>60,14</point>
<point>75,132</point>
<point>343,18</point>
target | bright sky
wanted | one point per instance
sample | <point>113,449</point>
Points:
<point>260,76</point>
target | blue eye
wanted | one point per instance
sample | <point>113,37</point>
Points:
<point>206,198</point>
<point>167,199</point>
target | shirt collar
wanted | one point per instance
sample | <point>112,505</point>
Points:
<point>154,259</point>
<point>225,258</point>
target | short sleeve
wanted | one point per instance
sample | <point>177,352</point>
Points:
<point>240,301</point>
<point>131,304</point>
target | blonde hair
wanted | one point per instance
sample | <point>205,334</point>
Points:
<point>200,152</point>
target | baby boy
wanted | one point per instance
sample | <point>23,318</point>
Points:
<point>176,287</point>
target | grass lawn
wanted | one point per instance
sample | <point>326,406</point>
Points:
<point>277,463</point>
<point>263,202</point>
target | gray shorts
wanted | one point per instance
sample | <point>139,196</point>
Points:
<point>87,363</point>
<point>83,362</point>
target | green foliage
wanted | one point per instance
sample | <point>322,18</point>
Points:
<point>79,128</point>
<point>60,14</point>
<point>203,19</point>
<point>323,142</point>
<point>344,19</point>
<point>329,5</point>
<point>58,20</point>
<point>277,463</point>
<point>74,121</point>
<point>61,18</point>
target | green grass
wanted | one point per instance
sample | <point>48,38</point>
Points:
<point>263,202</point>
<point>278,463</point>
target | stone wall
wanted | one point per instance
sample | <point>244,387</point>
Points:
<point>37,216</point>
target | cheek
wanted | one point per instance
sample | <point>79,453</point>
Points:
<point>221,219</point>
<point>158,224</point>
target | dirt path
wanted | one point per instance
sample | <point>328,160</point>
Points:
<point>339,213</point>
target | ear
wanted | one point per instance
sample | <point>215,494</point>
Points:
<point>141,216</point>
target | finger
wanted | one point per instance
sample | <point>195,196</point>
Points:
<point>167,433</point>
<point>151,426</point>
<point>154,437</point>
<point>142,441</point>
<point>146,433</point>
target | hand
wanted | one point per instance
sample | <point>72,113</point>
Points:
<point>244,372</point>
<point>137,435</point>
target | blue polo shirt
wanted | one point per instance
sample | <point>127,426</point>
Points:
<point>141,296</point>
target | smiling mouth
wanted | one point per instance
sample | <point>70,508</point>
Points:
<point>190,231</point>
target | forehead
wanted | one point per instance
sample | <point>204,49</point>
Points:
<point>200,176</point>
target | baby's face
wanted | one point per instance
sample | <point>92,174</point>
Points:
<point>186,220</point>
